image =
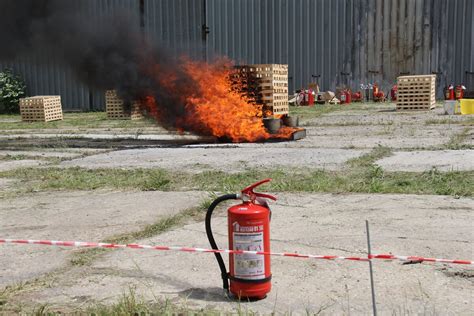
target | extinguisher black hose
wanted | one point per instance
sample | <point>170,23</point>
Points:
<point>220,261</point>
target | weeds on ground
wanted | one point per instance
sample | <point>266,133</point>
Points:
<point>87,256</point>
<point>73,120</point>
<point>370,179</point>
<point>468,121</point>
<point>361,176</point>
<point>456,141</point>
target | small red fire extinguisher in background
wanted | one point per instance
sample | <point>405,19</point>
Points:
<point>449,92</point>
<point>459,92</point>
<point>393,93</point>
<point>249,229</point>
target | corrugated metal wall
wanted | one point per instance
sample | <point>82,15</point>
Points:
<point>176,25</point>
<point>348,41</point>
<point>44,77</point>
<point>309,35</point>
<point>342,41</point>
<point>412,37</point>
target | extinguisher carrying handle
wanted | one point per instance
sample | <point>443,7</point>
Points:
<point>249,194</point>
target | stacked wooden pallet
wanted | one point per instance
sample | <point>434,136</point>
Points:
<point>42,108</point>
<point>117,109</point>
<point>416,92</point>
<point>266,84</point>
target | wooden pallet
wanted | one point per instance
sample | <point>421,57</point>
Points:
<point>416,92</point>
<point>42,108</point>
<point>116,109</point>
<point>266,84</point>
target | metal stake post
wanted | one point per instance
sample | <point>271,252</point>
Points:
<point>372,287</point>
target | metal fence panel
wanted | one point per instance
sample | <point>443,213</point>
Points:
<point>342,41</point>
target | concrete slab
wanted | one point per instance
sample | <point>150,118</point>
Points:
<point>76,216</point>
<point>39,153</point>
<point>229,158</point>
<point>6,165</point>
<point>444,160</point>
<point>436,226</point>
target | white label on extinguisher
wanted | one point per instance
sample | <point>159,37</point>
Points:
<point>249,266</point>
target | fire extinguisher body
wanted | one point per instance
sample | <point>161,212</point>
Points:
<point>249,229</point>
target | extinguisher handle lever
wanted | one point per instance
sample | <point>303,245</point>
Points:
<point>248,191</point>
<point>265,196</point>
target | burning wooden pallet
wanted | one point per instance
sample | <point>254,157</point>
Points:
<point>416,92</point>
<point>265,84</point>
<point>117,109</point>
<point>42,108</point>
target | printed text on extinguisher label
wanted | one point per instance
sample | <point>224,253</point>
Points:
<point>249,266</point>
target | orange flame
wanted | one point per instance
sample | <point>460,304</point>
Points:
<point>216,109</point>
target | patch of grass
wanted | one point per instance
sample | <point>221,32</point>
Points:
<point>469,121</point>
<point>354,123</point>
<point>87,256</point>
<point>73,120</point>
<point>129,303</point>
<point>361,176</point>
<point>90,179</point>
<point>456,141</point>
<point>368,159</point>
<point>16,157</point>
<point>370,180</point>
<point>306,112</point>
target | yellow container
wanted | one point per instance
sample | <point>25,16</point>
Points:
<point>467,106</point>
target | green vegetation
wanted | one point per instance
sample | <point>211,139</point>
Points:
<point>468,121</point>
<point>360,176</point>
<point>456,142</point>
<point>74,120</point>
<point>12,88</point>
<point>311,112</point>
<point>89,179</point>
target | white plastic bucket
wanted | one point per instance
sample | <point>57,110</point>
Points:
<point>451,107</point>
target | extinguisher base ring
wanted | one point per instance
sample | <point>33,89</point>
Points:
<point>232,278</point>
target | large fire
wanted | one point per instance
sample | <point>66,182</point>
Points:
<point>215,108</point>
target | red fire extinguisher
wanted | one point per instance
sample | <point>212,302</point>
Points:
<point>449,92</point>
<point>393,93</point>
<point>459,92</point>
<point>348,96</point>
<point>249,229</point>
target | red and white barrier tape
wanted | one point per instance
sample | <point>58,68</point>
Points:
<point>85,244</point>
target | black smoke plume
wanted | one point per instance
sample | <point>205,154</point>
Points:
<point>106,51</point>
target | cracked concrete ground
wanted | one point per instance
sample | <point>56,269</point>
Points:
<point>419,161</point>
<point>234,158</point>
<point>437,226</point>
<point>83,215</point>
<point>430,226</point>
